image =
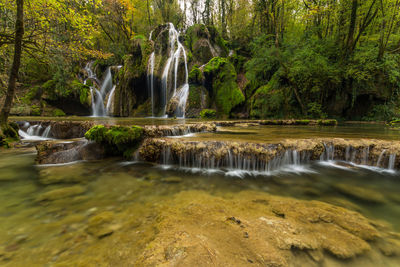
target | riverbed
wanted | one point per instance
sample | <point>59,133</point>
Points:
<point>115,212</point>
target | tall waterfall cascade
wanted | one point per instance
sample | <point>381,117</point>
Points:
<point>99,93</point>
<point>169,78</point>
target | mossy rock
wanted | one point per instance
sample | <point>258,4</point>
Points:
<point>117,140</point>
<point>196,76</point>
<point>267,103</point>
<point>226,94</point>
<point>204,43</point>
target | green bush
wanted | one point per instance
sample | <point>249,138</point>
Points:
<point>117,140</point>
<point>35,110</point>
<point>58,113</point>
<point>208,114</point>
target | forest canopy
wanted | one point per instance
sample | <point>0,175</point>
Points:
<point>308,58</point>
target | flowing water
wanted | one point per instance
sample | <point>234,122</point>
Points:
<point>170,88</point>
<point>100,90</point>
<point>34,232</point>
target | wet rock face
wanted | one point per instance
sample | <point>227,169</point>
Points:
<point>55,153</point>
<point>255,227</point>
<point>266,157</point>
<point>131,91</point>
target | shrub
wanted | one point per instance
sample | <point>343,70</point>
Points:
<point>58,113</point>
<point>208,114</point>
<point>35,110</point>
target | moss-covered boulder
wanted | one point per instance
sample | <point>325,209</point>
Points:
<point>117,140</point>
<point>267,103</point>
<point>204,43</point>
<point>220,76</point>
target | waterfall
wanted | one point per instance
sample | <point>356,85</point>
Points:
<point>329,153</point>
<point>378,163</point>
<point>150,81</point>
<point>110,100</point>
<point>392,161</point>
<point>35,132</point>
<point>181,93</point>
<point>99,95</point>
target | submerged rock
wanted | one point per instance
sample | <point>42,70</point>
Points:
<point>51,152</point>
<point>100,224</point>
<point>61,193</point>
<point>361,193</point>
<point>266,229</point>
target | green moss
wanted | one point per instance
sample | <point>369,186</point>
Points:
<point>267,103</point>
<point>225,91</point>
<point>208,114</point>
<point>118,140</point>
<point>96,133</point>
<point>196,75</point>
<point>35,110</point>
<point>327,122</point>
<point>58,113</point>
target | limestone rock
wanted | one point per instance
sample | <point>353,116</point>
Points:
<point>265,229</point>
<point>361,193</point>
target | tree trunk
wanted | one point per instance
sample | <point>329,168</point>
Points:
<point>19,32</point>
<point>352,27</point>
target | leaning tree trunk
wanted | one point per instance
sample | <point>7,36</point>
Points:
<point>19,32</point>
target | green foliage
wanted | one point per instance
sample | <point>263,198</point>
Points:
<point>35,110</point>
<point>315,110</point>
<point>32,93</point>
<point>208,114</point>
<point>225,90</point>
<point>82,90</point>
<point>118,140</point>
<point>384,112</point>
<point>267,103</point>
<point>195,75</point>
<point>58,113</point>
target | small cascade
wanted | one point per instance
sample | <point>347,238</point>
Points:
<point>392,161</point>
<point>265,159</point>
<point>35,132</point>
<point>237,164</point>
<point>329,153</point>
<point>110,100</point>
<point>150,81</point>
<point>99,95</point>
<point>169,78</point>
<point>378,163</point>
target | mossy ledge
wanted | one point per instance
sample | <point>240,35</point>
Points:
<point>117,140</point>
